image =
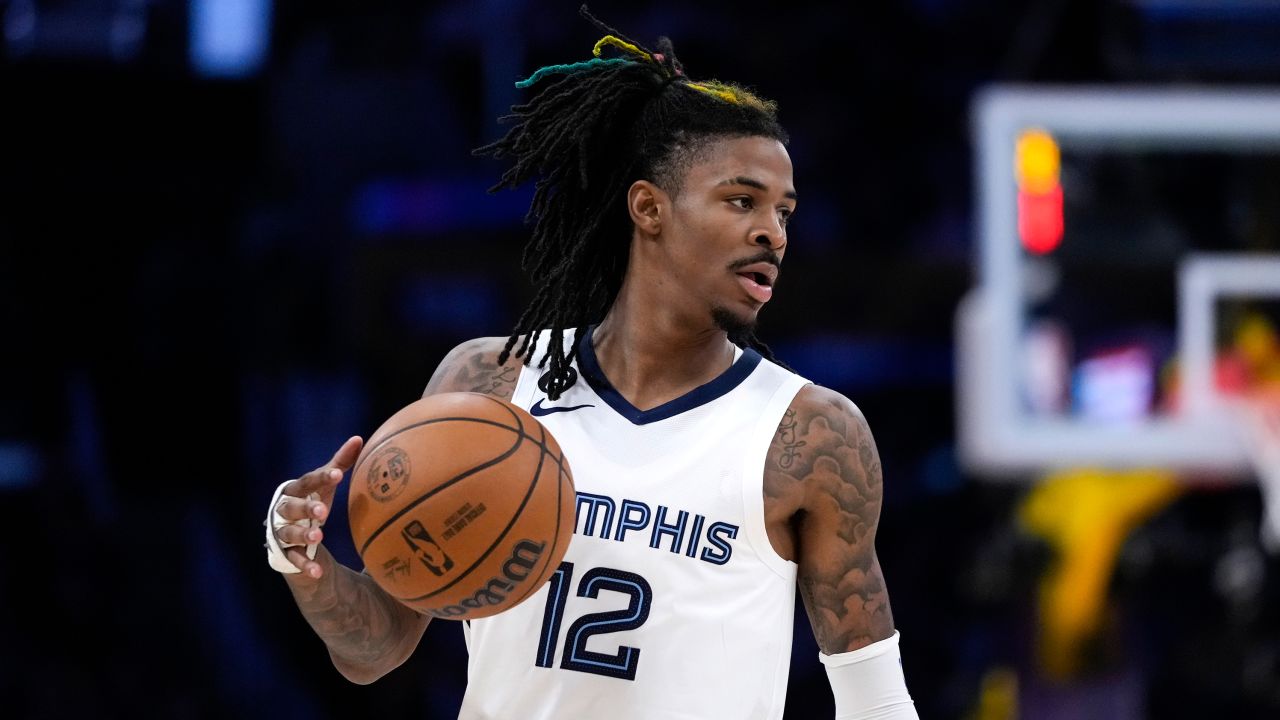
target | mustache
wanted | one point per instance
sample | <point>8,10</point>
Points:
<point>768,256</point>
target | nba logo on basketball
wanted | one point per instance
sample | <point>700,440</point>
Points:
<point>422,545</point>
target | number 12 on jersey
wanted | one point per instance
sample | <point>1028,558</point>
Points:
<point>621,664</point>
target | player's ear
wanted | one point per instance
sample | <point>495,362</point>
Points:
<point>645,203</point>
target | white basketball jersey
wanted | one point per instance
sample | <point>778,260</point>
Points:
<point>670,603</point>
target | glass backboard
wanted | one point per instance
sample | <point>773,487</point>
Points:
<point>1129,262</point>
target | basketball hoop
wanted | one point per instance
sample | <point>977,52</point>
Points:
<point>1259,418</point>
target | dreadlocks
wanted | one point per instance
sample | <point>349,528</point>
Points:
<point>593,129</point>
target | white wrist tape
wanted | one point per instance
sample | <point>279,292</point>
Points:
<point>275,549</point>
<point>868,683</point>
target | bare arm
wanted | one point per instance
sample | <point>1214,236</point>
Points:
<point>473,367</point>
<point>367,632</point>
<point>823,467</point>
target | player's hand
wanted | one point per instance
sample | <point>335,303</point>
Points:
<point>294,505</point>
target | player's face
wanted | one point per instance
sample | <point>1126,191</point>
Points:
<point>729,229</point>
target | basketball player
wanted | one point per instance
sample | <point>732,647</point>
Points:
<point>711,480</point>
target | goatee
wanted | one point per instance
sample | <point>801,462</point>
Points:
<point>737,328</point>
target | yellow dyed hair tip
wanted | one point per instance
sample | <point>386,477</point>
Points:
<point>733,94</point>
<point>620,44</point>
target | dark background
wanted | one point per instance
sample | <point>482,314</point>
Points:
<point>209,280</point>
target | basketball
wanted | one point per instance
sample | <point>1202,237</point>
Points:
<point>461,505</point>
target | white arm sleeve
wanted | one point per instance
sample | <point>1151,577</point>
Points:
<point>868,683</point>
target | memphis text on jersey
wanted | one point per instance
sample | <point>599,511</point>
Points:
<point>678,531</point>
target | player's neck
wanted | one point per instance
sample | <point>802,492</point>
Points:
<point>652,356</point>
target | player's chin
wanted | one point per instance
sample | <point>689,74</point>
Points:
<point>737,320</point>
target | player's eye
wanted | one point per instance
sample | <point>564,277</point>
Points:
<point>784,216</point>
<point>744,202</point>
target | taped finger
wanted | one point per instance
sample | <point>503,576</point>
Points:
<point>278,542</point>
<point>295,535</point>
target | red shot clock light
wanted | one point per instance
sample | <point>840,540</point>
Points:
<point>1037,168</point>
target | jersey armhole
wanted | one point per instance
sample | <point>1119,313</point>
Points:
<point>526,384</point>
<point>753,477</point>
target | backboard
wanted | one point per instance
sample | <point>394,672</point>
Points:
<point>1122,233</point>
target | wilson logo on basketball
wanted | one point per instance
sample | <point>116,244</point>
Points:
<point>388,474</point>
<point>524,557</point>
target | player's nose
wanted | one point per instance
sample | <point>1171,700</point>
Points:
<point>773,238</point>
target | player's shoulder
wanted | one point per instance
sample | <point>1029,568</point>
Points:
<point>823,447</point>
<point>820,421</point>
<point>472,366</point>
<point>482,348</point>
<point>815,401</point>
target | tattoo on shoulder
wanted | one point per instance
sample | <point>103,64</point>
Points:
<point>476,371</point>
<point>790,443</point>
<point>824,455</point>
<point>494,380</point>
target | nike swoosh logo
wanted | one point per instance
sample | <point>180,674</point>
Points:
<point>538,411</point>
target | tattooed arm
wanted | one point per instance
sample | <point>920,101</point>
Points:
<point>473,367</point>
<point>367,632</point>
<point>823,488</point>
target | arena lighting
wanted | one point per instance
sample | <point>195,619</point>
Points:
<point>229,38</point>
<point>1040,220</point>
<point>1037,166</point>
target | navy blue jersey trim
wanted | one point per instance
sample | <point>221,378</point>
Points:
<point>701,395</point>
